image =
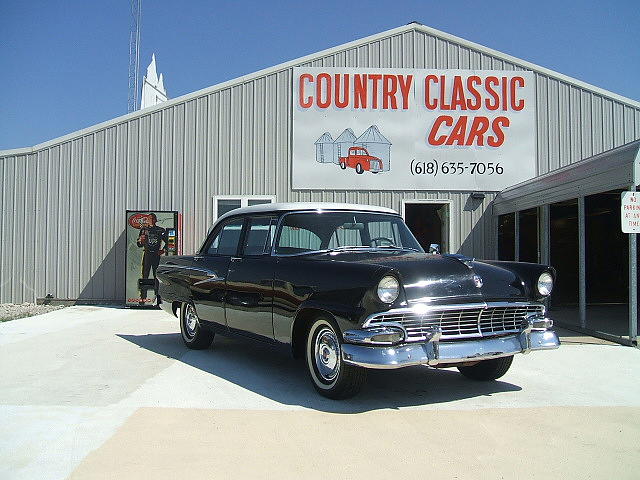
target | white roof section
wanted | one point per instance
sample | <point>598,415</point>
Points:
<point>314,56</point>
<point>325,138</point>
<point>347,136</point>
<point>305,207</point>
<point>618,168</point>
<point>373,135</point>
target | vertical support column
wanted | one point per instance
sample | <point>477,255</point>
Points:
<point>544,235</point>
<point>516,247</point>
<point>544,239</point>
<point>582,277</point>
<point>633,284</point>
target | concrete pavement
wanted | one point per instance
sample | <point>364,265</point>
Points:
<point>91,392</point>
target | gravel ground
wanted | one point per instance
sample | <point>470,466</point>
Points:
<point>11,311</point>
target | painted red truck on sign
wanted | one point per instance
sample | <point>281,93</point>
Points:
<point>359,158</point>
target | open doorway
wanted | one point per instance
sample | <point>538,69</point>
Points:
<point>429,223</point>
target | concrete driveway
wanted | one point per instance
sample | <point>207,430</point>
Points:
<point>91,392</point>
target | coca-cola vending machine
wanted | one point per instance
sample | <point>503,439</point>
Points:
<point>150,235</point>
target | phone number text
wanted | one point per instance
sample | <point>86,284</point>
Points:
<point>433,167</point>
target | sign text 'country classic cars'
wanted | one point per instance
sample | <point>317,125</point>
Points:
<point>417,128</point>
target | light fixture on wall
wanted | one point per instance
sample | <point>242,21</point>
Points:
<point>478,195</point>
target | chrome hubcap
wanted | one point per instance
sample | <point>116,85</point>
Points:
<point>327,354</point>
<point>190,320</point>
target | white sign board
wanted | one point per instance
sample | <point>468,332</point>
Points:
<point>630,212</point>
<point>395,128</point>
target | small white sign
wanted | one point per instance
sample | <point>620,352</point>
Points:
<point>630,212</point>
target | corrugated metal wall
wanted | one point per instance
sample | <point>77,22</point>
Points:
<point>63,206</point>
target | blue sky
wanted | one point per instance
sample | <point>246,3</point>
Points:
<point>64,63</point>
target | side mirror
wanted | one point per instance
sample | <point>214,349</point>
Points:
<point>434,248</point>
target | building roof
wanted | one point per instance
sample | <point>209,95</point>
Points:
<point>413,26</point>
<point>306,206</point>
<point>618,168</point>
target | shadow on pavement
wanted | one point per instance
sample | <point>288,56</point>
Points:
<point>273,374</point>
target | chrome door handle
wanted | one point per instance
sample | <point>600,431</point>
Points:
<point>236,259</point>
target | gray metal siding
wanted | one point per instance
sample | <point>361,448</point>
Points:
<point>64,205</point>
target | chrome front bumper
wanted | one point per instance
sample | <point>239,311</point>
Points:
<point>435,352</point>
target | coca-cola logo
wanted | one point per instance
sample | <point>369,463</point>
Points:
<point>140,220</point>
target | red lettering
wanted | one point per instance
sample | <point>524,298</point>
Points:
<point>517,106</point>
<point>305,103</point>
<point>375,79</point>
<point>487,85</point>
<point>478,128</point>
<point>474,79</point>
<point>427,100</point>
<point>458,132</point>
<point>458,99</point>
<point>505,103</point>
<point>443,86</point>
<point>389,89</point>
<point>360,90</point>
<point>345,91</point>
<point>497,125</point>
<point>327,90</point>
<point>405,87</point>
<point>448,121</point>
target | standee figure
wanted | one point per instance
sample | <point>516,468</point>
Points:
<point>151,238</point>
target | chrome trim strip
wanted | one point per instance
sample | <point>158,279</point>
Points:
<point>208,273</point>
<point>434,353</point>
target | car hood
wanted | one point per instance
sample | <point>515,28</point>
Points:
<point>442,278</point>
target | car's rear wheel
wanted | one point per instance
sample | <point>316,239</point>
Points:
<point>193,334</point>
<point>359,168</point>
<point>330,376</point>
<point>487,369</point>
<point>343,165</point>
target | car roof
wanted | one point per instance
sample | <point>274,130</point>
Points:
<point>305,206</point>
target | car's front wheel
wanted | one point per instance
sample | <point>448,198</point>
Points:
<point>193,335</point>
<point>359,169</point>
<point>487,369</point>
<point>330,376</point>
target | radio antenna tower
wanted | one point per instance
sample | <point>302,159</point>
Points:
<point>134,55</point>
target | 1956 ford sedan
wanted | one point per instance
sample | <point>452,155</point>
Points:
<point>348,288</point>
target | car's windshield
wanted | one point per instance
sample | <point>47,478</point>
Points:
<point>318,231</point>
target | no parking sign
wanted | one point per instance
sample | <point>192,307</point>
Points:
<point>630,212</point>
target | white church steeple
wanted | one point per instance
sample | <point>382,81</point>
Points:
<point>153,91</point>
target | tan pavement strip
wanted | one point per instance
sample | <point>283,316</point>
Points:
<point>554,442</point>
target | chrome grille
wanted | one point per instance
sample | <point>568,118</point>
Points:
<point>464,322</point>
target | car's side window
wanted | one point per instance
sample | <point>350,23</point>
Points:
<point>226,240</point>
<point>259,236</point>
<point>297,240</point>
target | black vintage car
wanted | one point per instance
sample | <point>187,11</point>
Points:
<point>348,287</point>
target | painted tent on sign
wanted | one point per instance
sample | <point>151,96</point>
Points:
<point>342,144</point>
<point>377,145</point>
<point>325,149</point>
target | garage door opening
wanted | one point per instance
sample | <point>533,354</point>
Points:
<point>429,223</point>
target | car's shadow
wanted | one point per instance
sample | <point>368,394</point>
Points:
<point>274,374</point>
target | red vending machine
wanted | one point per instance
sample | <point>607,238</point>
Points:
<point>150,235</point>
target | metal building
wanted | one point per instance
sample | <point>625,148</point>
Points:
<point>63,202</point>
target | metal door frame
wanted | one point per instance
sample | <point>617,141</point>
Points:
<point>449,203</point>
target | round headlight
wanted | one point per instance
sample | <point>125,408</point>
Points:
<point>388,289</point>
<point>545,284</point>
